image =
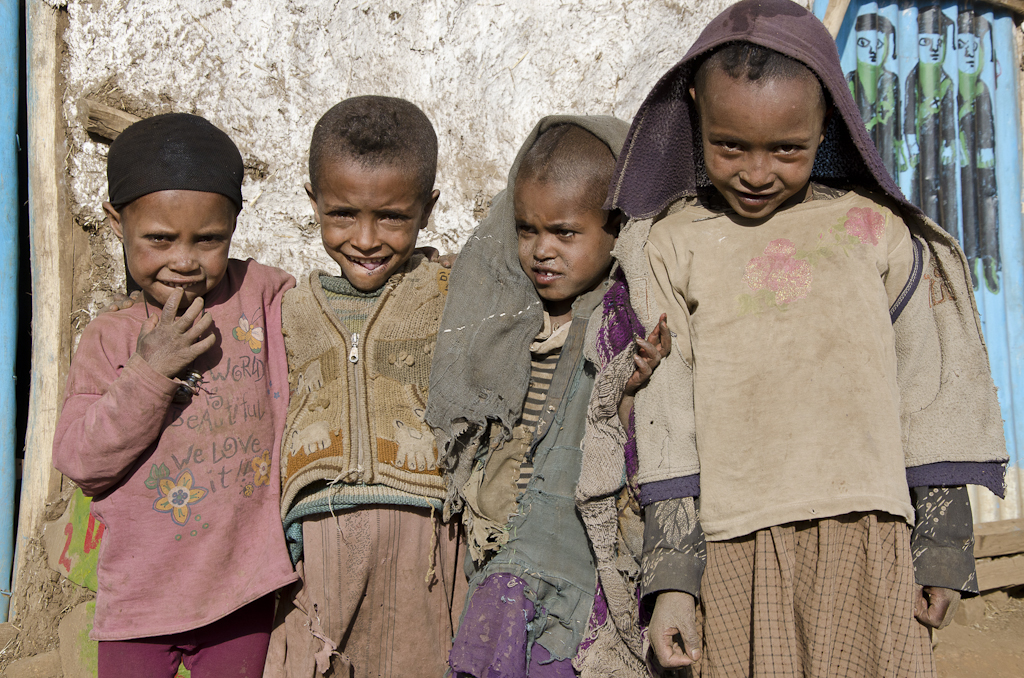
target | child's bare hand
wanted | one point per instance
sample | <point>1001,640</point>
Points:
<point>935,606</point>
<point>434,256</point>
<point>168,343</point>
<point>651,350</point>
<point>122,301</point>
<point>673,630</point>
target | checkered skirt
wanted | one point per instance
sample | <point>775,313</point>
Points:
<point>825,598</point>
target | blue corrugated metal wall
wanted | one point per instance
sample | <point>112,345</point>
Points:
<point>937,86</point>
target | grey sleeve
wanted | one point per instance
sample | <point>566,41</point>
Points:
<point>674,550</point>
<point>943,538</point>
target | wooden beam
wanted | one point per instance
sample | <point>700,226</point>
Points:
<point>1011,5</point>
<point>835,12</point>
<point>49,234</point>
<point>106,121</point>
<point>1000,538</point>
<point>999,573</point>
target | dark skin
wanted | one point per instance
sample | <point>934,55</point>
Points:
<point>170,342</point>
<point>935,606</point>
<point>650,351</point>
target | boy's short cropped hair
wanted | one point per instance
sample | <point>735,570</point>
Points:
<point>375,131</point>
<point>752,62</point>
<point>569,154</point>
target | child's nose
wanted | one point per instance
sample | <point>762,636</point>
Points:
<point>758,171</point>
<point>544,248</point>
<point>184,260</point>
<point>365,237</point>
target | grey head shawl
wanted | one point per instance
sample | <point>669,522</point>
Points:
<point>481,363</point>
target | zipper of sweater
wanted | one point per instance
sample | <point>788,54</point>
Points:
<point>353,358</point>
<point>353,355</point>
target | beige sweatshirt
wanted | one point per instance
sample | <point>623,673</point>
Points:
<point>785,324</point>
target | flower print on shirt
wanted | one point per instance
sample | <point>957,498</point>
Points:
<point>261,469</point>
<point>865,224</point>
<point>177,496</point>
<point>776,277</point>
<point>783,273</point>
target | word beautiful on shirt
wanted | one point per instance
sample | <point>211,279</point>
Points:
<point>226,454</point>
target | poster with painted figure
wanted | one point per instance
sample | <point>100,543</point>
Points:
<point>876,88</point>
<point>935,130</point>
<point>930,114</point>
<point>977,150</point>
<point>937,87</point>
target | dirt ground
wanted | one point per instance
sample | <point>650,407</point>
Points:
<point>991,645</point>
<point>987,640</point>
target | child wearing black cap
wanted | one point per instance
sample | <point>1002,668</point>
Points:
<point>173,417</point>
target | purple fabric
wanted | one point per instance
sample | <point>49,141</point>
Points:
<point>990,474</point>
<point>619,328</point>
<point>233,646</point>
<point>620,325</point>
<point>673,488</point>
<point>662,159</point>
<point>598,617</point>
<point>492,637</point>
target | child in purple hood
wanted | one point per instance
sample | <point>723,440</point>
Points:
<point>803,452</point>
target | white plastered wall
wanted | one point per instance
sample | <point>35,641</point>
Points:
<point>484,72</point>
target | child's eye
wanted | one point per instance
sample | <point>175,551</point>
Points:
<point>565,233</point>
<point>730,146</point>
<point>790,149</point>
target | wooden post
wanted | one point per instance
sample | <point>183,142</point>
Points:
<point>105,121</point>
<point>50,234</point>
<point>1016,6</point>
<point>834,15</point>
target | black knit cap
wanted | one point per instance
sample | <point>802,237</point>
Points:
<point>174,151</point>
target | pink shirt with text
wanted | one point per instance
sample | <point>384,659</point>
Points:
<point>189,492</point>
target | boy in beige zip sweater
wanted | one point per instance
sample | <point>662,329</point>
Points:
<point>380,574</point>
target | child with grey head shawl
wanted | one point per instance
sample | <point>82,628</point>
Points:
<point>509,392</point>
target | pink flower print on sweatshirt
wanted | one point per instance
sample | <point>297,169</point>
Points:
<point>865,224</point>
<point>778,272</point>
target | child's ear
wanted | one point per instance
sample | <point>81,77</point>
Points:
<point>114,219</point>
<point>428,207</point>
<point>312,201</point>
<point>825,122</point>
<point>613,224</point>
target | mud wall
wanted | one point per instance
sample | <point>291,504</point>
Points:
<point>484,72</point>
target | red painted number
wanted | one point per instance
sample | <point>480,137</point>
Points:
<point>93,534</point>
<point>69,529</point>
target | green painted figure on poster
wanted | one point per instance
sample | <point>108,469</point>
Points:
<point>977,152</point>
<point>930,123</point>
<point>877,89</point>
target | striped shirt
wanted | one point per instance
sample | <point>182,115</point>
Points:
<point>542,368</point>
